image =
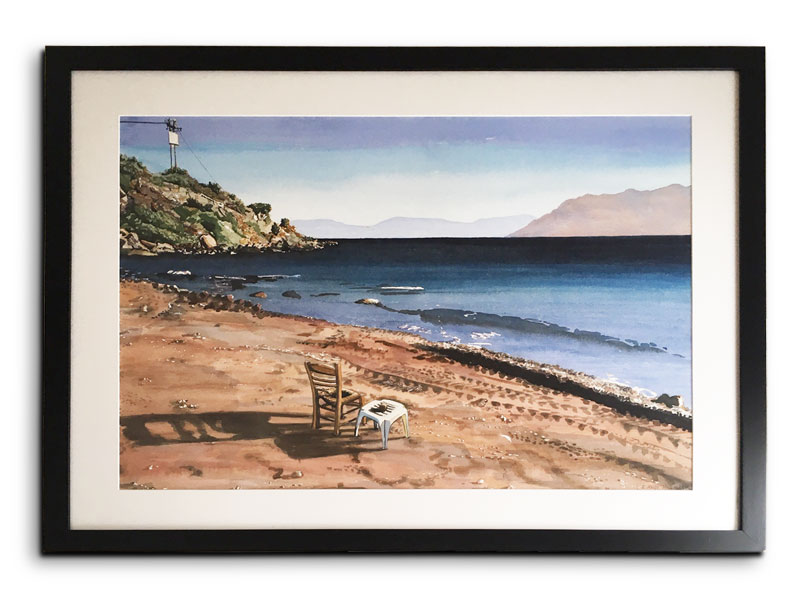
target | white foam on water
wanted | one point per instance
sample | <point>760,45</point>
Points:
<point>478,335</point>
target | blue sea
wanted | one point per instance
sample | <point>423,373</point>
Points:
<point>618,308</point>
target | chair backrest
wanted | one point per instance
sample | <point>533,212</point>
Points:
<point>327,378</point>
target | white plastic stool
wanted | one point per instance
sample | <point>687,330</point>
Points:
<point>383,413</point>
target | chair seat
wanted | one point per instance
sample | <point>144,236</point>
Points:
<point>347,397</point>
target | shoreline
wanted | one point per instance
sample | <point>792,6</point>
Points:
<point>624,399</point>
<point>214,395</point>
<point>244,250</point>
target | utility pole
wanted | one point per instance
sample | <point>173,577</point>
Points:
<point>172,134</point>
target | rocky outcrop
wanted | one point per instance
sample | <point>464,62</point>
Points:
<point>172,212</point>
<point>208,242</point>
<point>129,241</point>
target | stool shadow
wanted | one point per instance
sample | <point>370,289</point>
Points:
<point>308,444</point>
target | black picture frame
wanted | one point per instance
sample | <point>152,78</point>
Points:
<point>60,62</point>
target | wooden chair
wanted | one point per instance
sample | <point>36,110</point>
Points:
<point>331,402</point>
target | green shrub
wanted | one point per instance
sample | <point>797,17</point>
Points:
<point>284,222</point>
<point>275,228</point>
<point>209,222</point>
<point>237,204</point>
<point>182,178</point>
<point>222,230</point>
<point>234,224</point>
<point>177,176</point>
<point>185,212</point>
<point>261,208</point>
<point>156,226</point>
<point>129,168</point>
<point>255,227</point>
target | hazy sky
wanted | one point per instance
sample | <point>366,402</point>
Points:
<point>362,170</point>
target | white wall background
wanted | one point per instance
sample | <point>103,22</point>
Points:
<point>28,26</point>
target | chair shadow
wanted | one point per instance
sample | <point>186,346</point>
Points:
<point>297,439</point>
<point>322,443</point>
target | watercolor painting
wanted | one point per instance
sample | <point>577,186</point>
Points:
<point>405,302</point>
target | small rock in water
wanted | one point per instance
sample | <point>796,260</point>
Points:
<point>372,301</point>
<point>259,295</point>
<point>291,294</point>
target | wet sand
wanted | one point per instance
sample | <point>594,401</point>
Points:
<point>220,400</point>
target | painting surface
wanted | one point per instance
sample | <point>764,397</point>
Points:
<point>520,287</point>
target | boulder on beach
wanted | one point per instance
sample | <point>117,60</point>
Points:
<point>258,295</point>
<point>291,294</point>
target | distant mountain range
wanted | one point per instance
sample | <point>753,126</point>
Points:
<point>664,211</point>
<point>398,228</point>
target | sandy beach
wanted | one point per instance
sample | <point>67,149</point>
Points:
<point>219,399</point>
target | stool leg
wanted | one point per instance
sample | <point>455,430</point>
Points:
<point>358,422</point>
<point>405,423</point>
<point>385,426</point>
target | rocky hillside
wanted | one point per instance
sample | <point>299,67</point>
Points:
<point>173,212</point>
<point>664,211</point>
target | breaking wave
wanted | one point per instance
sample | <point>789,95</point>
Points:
<point>489,322</point>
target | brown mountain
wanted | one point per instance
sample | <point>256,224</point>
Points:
<point>664,211</point>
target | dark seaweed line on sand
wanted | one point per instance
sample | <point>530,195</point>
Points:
<point>539,377</point>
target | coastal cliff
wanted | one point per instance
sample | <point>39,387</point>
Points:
<point>171,212</point>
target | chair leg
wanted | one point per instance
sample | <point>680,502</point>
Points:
<point>338,419</point>
<point>405,423</point>
<point>386,426</point>
<point>359,419</point>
